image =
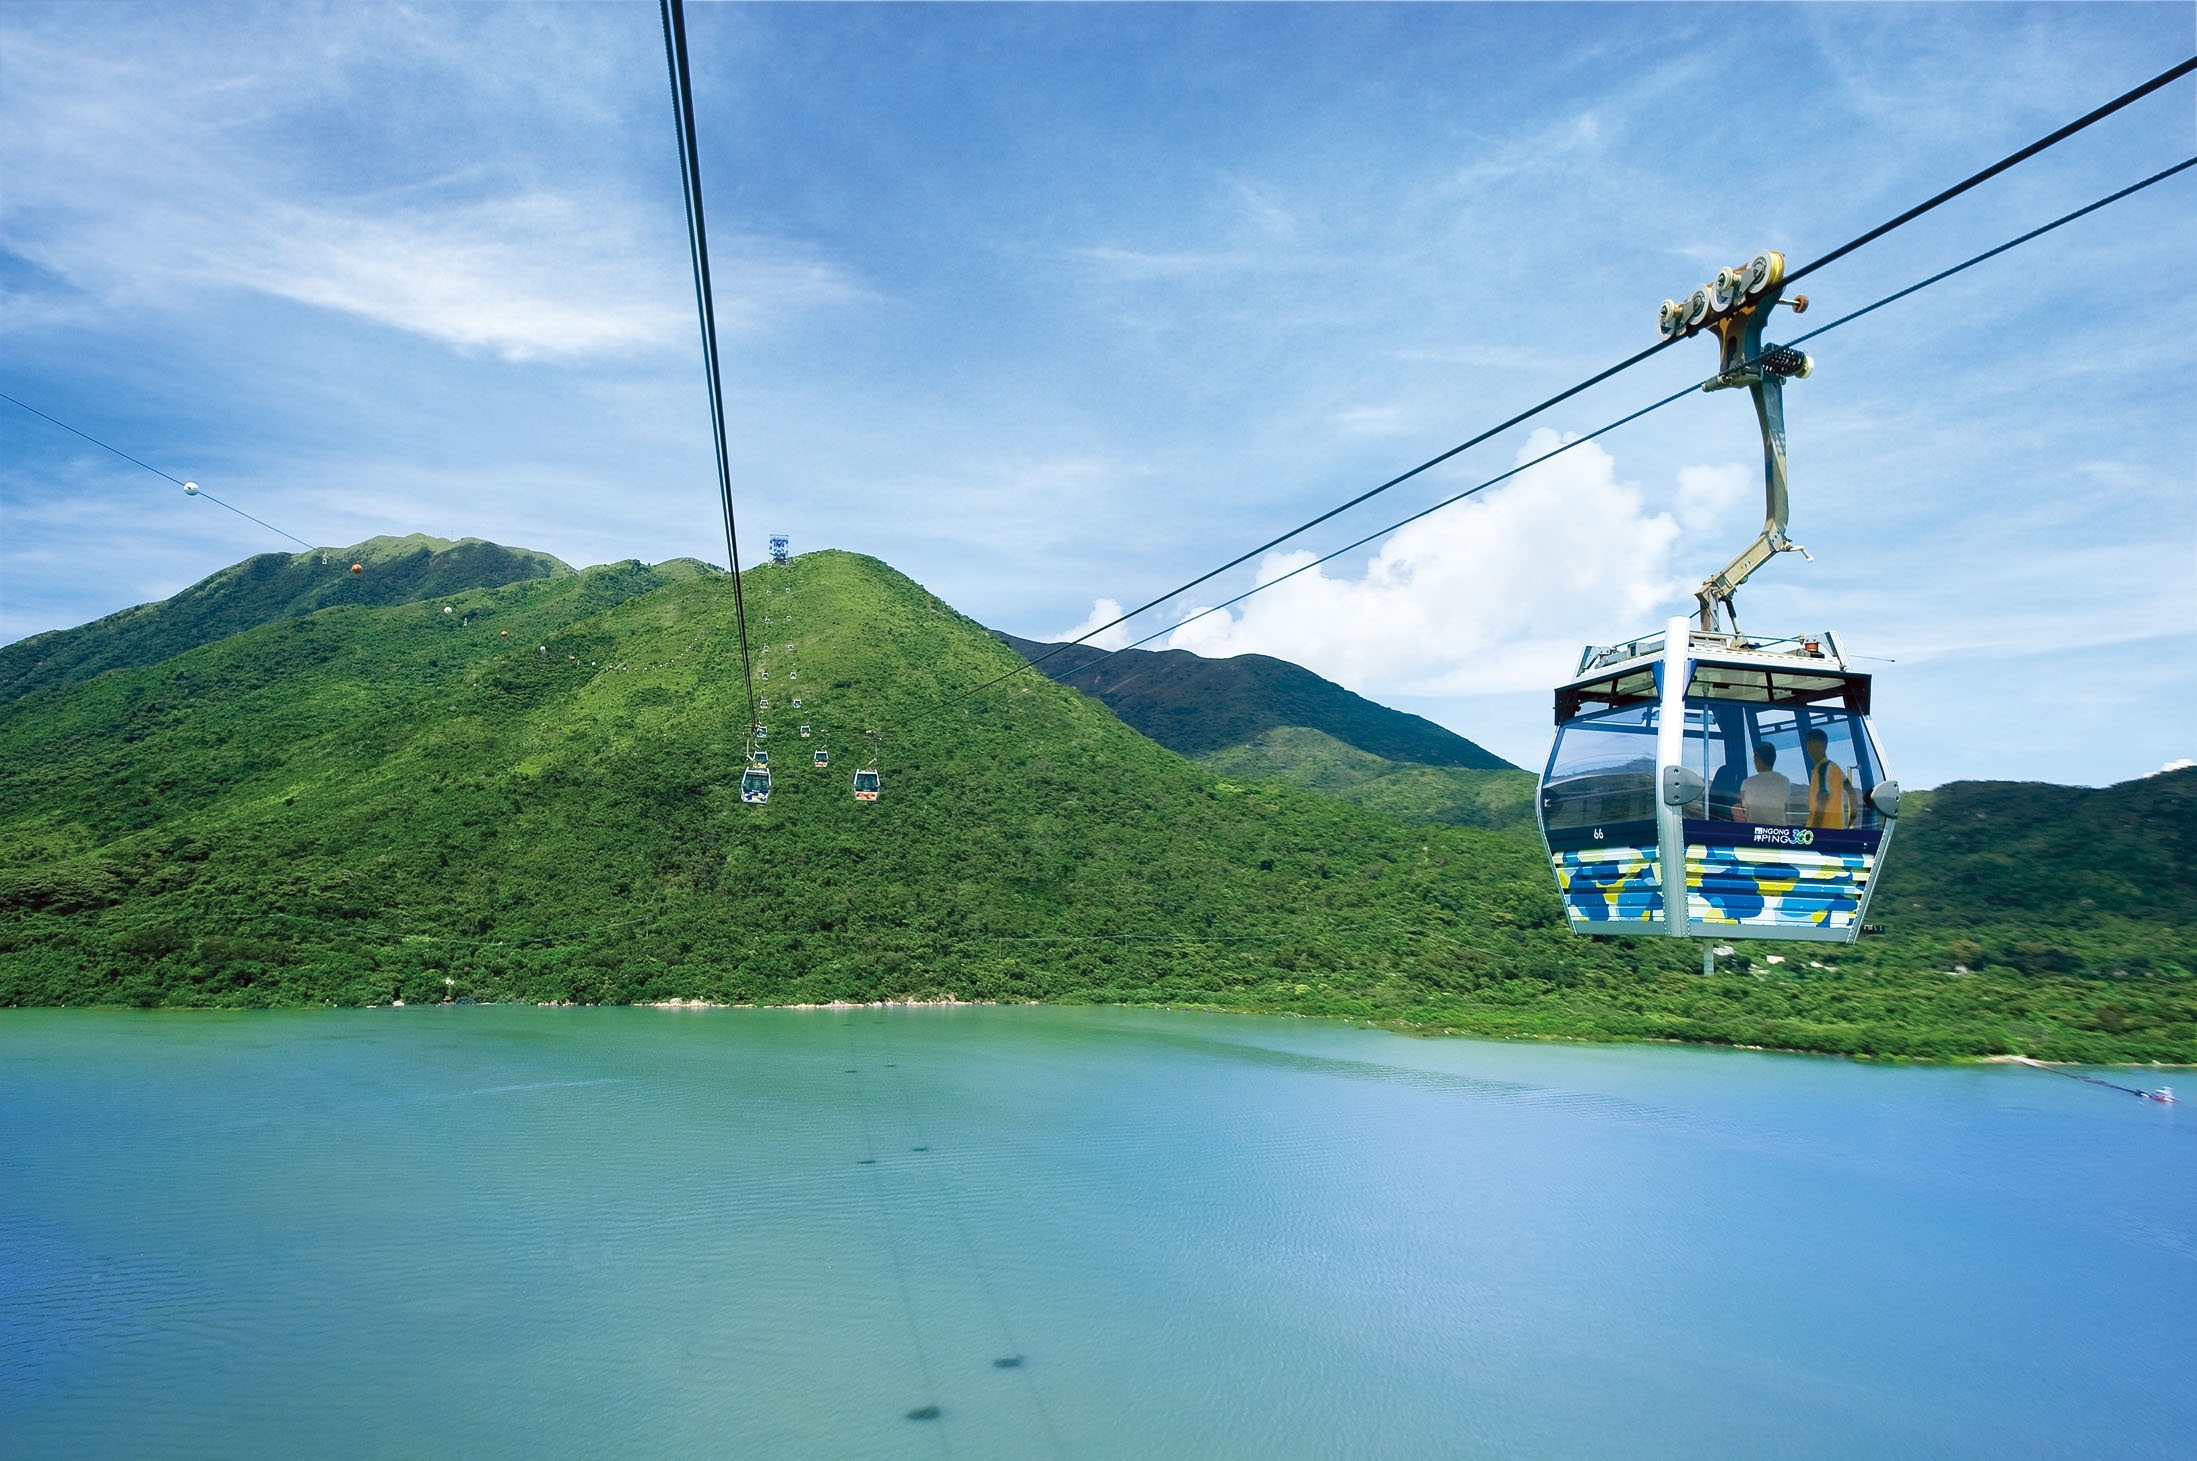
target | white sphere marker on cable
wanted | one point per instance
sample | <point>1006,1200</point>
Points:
<point>190,489</point>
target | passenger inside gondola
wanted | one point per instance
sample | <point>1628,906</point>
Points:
<point>1763,796</point>
<point>1828,793</point>
<point>1724,793</point>
<point>1725,727</point>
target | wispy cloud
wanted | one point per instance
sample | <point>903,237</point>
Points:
<point>178,173</point>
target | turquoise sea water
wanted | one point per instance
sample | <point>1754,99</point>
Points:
<point>493,1231</point>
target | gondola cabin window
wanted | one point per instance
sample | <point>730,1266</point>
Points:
<point>1790,766</point>
<point>1602,770</point>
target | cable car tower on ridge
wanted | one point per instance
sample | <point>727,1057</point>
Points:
<point>1704,783</point>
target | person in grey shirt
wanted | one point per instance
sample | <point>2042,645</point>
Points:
<point>1763,796</point>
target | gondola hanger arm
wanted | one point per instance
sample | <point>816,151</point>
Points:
<point>1736,305</point>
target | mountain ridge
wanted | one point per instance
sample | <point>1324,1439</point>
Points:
<point>1195,706</point>
<point>262,588</point>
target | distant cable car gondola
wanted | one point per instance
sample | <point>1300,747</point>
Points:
<point>823,759</point>
<point>755,784</point>
<point>804,733</point>
<point>759,758</point>
<point>866,786</point>
<point>1705,783</point>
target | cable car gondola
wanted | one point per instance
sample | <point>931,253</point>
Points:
<point>823,759</point>
<point>755,784</point>
<point>866,786</point>
<point>1742,771</point>
<point>804,733</point>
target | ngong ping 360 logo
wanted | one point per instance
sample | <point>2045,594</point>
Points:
<point>1786,836</point>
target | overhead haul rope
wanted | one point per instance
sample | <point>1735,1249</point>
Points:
<point>2171,74</point>
<point>690,178</point>
<point>192,488</point>
<point>1675,396</point>
<point>690,175</point>
<point>1625,420</point>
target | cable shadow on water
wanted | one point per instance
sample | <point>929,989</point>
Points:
<point>950,1200</point>
<point>929,1410</point>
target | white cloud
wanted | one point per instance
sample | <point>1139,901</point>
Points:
<point>2181,763</point>
<point>1493,595</point>
<point>1708,495</point>
<point>1103,611</point>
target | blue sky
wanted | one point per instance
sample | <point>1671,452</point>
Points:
<point>1050,305</point>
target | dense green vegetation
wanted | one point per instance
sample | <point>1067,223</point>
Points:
<point>1405,790</point>
<point>532,797</point>
<point>2013,879</point>
<point>1197,706</point>
<point>259,590</point>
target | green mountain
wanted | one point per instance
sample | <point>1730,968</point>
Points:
<point>1408,791</point>
<point>533,797</point>
<point>260,590</point>
<point>1197,706</point>
<point>2037,879</point>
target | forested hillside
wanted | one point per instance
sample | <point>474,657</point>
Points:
<point>533,797</point>
<point>1197,706</point>
<point>258,591</point>
<point>1406,790</point>
<point>2036,878</point>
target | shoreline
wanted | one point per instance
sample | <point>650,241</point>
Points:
<point>1398,1027</point>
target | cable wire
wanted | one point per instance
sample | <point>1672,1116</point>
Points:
<point>190,487</point>
<point>690,179</point>
<point>2171,74</point>
<point>1944,274</point>
<point>2157,177</point>
<point>2012,159</point>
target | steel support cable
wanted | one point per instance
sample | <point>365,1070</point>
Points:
<point>2127,98</point>
<point>2158,177</point>
<point>1939,277</point>
<point>193,488</point>
<point>690,179</point>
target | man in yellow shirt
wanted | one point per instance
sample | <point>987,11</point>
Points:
<point>1827,788</point>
